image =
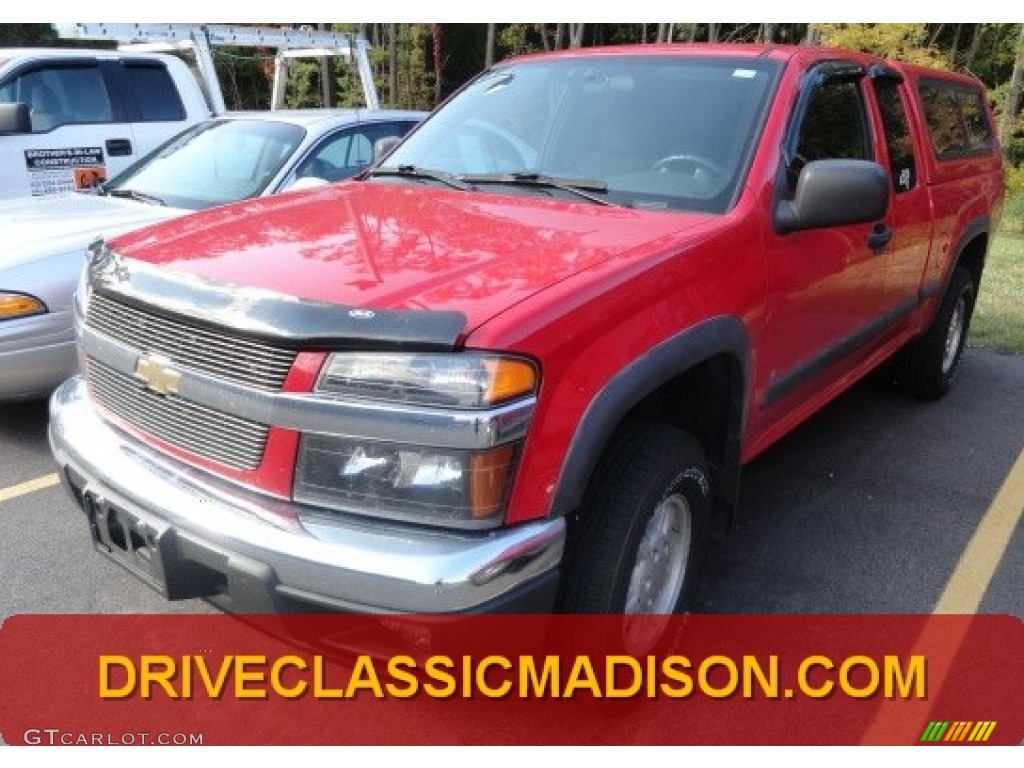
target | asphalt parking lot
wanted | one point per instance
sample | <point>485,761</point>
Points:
<point>879,504</point>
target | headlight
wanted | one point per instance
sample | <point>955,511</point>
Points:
<point>14,305</point>
<point>466,488</point>
<point>466,380</point>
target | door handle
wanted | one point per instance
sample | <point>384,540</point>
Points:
<point>879,237</point>
<point>119,147</point>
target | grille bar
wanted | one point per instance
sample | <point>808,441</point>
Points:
<point>235,442</point>
<point>245,361</point>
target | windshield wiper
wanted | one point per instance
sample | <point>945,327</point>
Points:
<point>412,172</point>
<point>134,194</point>
<point>95,189</point>
<point>579,187</point>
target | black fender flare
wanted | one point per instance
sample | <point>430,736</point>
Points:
<point>672,357</point>
<point>974,229</point>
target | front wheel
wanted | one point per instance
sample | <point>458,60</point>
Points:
<point>928,366</point>
<point>642,533</point>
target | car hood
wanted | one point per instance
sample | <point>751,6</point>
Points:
<point>33,228</point>
<point>392,246</point>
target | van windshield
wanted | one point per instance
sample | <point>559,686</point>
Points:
<point>657,132</point>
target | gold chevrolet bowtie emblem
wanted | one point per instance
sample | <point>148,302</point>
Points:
<point>158,374</point>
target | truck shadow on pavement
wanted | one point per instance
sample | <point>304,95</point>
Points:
<point>867,507</point>
<point>23,432</point>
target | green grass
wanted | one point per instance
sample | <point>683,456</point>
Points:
<point>999,314</point>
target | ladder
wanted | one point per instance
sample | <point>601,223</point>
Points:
<point>201,38</point>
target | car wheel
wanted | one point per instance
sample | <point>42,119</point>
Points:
<point>928,366</point>
<point>641,534</point>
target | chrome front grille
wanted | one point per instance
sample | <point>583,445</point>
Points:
<point>244,361</point>
<point>232,441</point>
<point>198,429</point>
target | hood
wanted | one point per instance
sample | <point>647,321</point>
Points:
<point>36,227</point>
<point>390,246</point>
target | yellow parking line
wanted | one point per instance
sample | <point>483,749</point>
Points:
<point>978,562</point>
<point>964,591</point>
<point>14,491</point>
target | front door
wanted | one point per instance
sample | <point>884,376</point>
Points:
<point>827,287</point>
<point>78,136</point>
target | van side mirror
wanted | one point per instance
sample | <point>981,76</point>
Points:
<point>382,147</point>
<point>832,193</point>
<point>14,118</point>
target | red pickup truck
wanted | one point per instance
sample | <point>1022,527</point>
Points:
<point>519,364</point>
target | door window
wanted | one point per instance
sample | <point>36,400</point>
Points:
<point>60,95</point>
<point>349,151</point>
<point>834,127</point>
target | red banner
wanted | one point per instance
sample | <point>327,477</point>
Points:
<point>934,681</point>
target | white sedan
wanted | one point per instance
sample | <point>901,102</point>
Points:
<point>230,158</point>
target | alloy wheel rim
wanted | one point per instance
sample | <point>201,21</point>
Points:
<point>954,334</point>
<point>658,573</point>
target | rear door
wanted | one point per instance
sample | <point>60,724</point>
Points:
<point>910,216</point>
<point>79,137</point>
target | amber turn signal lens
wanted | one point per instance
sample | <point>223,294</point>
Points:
<point>18,305</point>
<point>509,378</point>
<point>489,474</point>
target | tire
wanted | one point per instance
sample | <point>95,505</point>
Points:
<point>928,366</point>
<point>642,533</point>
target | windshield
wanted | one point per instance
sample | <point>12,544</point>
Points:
<point>660,132</point>
<point>212,163</point>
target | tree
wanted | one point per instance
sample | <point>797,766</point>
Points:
<point>489,51</point>
<point>26,35</point>
<point>328,79</point>
<point>906,42</point>
<point>393,65</point>
<point>435,39</point>
<point>1010,119</point>
<point>576,35</point>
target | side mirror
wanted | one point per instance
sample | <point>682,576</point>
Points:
<point>14,118</point>
<point>382,147</point>
<point>832,193</point>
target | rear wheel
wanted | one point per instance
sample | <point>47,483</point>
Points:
<point>642,533</point>
<point>928,366</point>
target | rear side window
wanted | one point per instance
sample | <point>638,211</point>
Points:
<point>957,119</point>
<point>155,94</point>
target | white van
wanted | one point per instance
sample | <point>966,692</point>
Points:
<point>71,118</point>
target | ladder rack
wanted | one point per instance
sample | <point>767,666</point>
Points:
<point>202,38</point>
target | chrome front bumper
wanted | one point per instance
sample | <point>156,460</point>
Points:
<point>189,534</point>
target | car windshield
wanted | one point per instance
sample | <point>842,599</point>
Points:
<point>213,163</point>
<point>658,132</point>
